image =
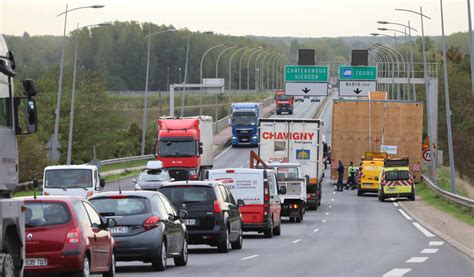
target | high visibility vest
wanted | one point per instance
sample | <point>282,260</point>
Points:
<point>352,170</point>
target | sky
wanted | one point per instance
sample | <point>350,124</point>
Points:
<point>289,18</point>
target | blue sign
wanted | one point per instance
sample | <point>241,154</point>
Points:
<point>347,72</point>
<point>302,154</point>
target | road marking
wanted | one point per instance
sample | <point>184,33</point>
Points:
<point>222,153</point>
<point>397,272</point>
<point>296,241</point>
<point>330,206</point>
<point>333,192</point>
<point>423,230</point>
<point>332,199</point>
<point>429,251</point>
<point>436,243</point>
<point>249,257</point>
<point>396,204</point>
<point>315,230</point>
<point>327,213</point>
<point>417,259</point>
<point>405,214</point>
<point>324,220</point>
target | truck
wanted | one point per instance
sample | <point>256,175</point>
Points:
<point>284,103</point>
<point>244,122</point>
<point>12,210</point>
<point>292,140</point>
<point>370,167</point>
<point>185,146</point>
<point>74,180</point>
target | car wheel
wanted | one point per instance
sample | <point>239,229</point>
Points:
<point>277,230</point>
<point>359,192</point>
<point>412,197</point>
<point>292,219</point>
<point>6,265</point>
<point>182,260</point>
<point>381,198</point>
<point>111,272</point>
<point>223,246</point>
<point>159,261</point>
<point>299,218</point>
<point>268,233</point>
<point>86,268</point>
<point>238,243</point>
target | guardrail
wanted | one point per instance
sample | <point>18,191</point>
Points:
<point>461,200</point>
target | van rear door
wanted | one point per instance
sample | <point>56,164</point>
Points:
<point>246,185</point>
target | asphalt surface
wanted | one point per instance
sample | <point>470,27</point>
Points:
<point>347,236</point>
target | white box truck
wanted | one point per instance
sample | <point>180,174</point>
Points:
<point>291,140</point>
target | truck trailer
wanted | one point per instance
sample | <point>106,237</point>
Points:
<point>184,146</point>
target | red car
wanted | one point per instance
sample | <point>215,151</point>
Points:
<point>67,234</point>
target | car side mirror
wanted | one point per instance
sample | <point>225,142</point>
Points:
<point>35,184</point>
<point>134,181</point>
<point>182,214</point>
<point>240,203</point>
<point>111,222</point>
<point>172,179</point>
<point>102,183</point>
<point>376,178</point>
<point>171,217</point>
<point>200,149</point>
<point>282,190</point>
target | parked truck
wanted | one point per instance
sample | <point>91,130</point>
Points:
<point>244,122</point>
<point>12,223</point>
<point>184,146</point>
<point>284,103</point>
<point>296,141</point>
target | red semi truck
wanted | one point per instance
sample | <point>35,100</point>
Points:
<point>185,146</point>
<point>284,103</point>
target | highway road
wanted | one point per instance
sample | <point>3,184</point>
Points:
<point>347,236</point>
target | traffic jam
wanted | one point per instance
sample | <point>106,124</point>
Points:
<point>179,199</point>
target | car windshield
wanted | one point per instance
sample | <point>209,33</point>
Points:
<point>5,113</point>
<point>39,214</point>
<point>68,178</point>
<point>153,176</point>
<point>283,97</point>
<point>180,195</point>
<point>172,147</point>
<point>244,118</point>
<point>121,206</point>
<point>287,173</point>
<point>397,175</point>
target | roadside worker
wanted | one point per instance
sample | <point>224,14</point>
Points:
<point>351,180</point>
<point>340,176</point>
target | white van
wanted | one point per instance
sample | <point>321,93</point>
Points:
<point>74,180</point>
<point>258,188</point>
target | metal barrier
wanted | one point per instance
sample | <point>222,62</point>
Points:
<point>461,200</point>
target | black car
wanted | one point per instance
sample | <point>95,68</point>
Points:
<point>148,228</point>
<point>213,216</point>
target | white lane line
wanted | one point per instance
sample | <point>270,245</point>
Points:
<point>315,230</point>
<point>423,230</point>
<point>429,251</point>
<point>417,259</point>
<point>330,206</point>
<point>296,241</point>
<point>222,153</point>
<point>333,192</point>
<point>332,199</point>
<point>405,214</point>
<point>324,220</point>
<point>396,204</point>
<point>436,243</point>
<point>327,213</point>
<point>397,272</point>
<point>249,257</point>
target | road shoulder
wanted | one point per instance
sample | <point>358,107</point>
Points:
<point>452,230</point>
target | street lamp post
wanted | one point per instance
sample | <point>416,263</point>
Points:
<point>179,77</point>
<point>240,67</point>
<point>248,66</point>
<point>55,142</point>
<point>271,65</point>
<point>257,72</point>
<point>145,100</point>
<point>471,44</point>
<point>230,65</point>
<point>73,93</point>
<point>200,74</point>
<point>262,71</point>
<point>219,58</point>
<point>167,78</point>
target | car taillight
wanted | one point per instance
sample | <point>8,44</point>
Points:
<point>266,195</point>
<point>46,193</point>
<point>230,171</point>
<point>151,223</point>
<point>73,236</point>
<point>89,194</point>
<point>217,207</point>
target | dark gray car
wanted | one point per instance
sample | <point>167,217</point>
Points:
<point>151,179</point>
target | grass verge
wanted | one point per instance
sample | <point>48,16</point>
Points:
<point>444,180</point>
<point>26,193</point>
<point>432,199</point>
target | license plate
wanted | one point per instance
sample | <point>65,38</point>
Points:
<point>36,262</point>
<point>188,221</point>
<point>119,230</point>
<point>391,189</point>
<point>368,185</point>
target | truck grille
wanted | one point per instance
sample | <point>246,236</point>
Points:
<point>179,174</point>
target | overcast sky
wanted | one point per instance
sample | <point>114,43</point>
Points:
<point>297,18</point>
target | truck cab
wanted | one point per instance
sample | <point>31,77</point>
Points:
<point>293,201</point>
<point>244,122</point>
<point>73,180</point>
<point>284,103</point>
<point>12,217</point>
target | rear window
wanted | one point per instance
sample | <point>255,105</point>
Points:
<point>397,175</point>
<point>180,195</point>
<point>42,214</point>
<point>121,206</point>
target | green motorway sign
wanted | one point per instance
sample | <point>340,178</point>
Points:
<point>358,73</point>
<point>306,74</point>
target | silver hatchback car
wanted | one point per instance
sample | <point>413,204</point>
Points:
<point>152,178</point>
